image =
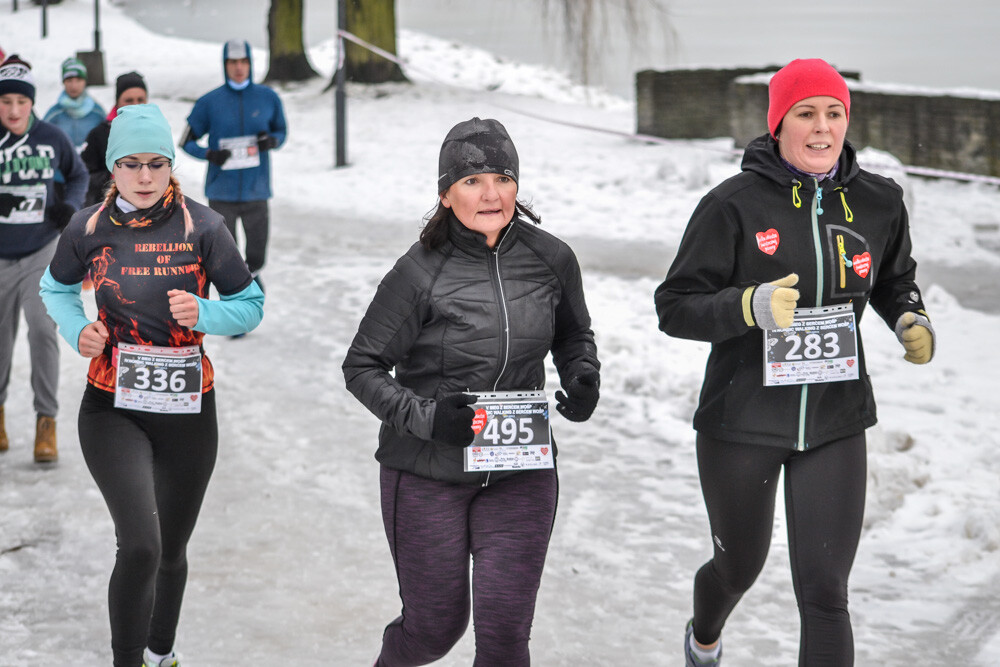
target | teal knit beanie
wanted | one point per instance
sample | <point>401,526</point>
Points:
<point>139,128</point>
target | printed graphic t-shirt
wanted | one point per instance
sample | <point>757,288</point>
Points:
<point>133,268</point>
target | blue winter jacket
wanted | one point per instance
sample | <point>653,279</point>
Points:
<point>75,117</point>
<point>231,112</point>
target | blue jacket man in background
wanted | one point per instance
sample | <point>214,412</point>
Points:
<point>244,122</point>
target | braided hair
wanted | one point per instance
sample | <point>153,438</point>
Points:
<point>112,192</point>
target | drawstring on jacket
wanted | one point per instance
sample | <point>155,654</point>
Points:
<point>848,213</point>
<point>797,200</point>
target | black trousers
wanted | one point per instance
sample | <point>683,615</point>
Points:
<point>152,470</point>
<point>824,505</point>
<point>256,222</point>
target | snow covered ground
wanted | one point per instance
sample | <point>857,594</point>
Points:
<point>289,563</point>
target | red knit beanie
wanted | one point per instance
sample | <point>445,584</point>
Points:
<point>800,79</point>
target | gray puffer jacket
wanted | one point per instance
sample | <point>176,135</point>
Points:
<point>465,317</point>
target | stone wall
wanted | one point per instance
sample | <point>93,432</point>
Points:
<point>948,130</point>
<point>687,104</point>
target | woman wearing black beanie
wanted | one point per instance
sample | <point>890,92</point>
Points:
<point>450,357</point>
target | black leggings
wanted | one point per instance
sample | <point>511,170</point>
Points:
<point>433,527</point>
<point>824,504</point>
<point>152,470</point>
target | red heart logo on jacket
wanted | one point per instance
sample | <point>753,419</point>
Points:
<point>861,264</point>
<point>768,241</point>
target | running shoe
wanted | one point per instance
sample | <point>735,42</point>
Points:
<point>690,659</point>
<point>170,661</point>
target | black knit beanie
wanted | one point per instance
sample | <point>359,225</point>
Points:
<point>476,147</point>
<point>126,81</point>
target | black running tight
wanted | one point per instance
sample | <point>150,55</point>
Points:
<point>153,470</point>
<point>824,504</point>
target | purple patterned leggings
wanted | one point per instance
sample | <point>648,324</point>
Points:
<point>432,529</point>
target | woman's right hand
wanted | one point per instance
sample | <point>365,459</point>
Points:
<point>774,303</point>
<point>92,339</point>
<point>783,300</point>
<point>453,420</point>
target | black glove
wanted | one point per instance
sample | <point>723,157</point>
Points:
<point>453,420</point>
<point>9,203</point>
<point>580,399</point>
<point>60,214</point>
<point>218,157</point>
<point>266,142</point>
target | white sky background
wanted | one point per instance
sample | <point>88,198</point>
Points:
<point>289,561</point>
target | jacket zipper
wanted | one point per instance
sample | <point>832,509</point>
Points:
<point>816,211</point>
<point>842,260</point>
<point>494,257</point>
<point>504,315</point>
<point>242,133</point>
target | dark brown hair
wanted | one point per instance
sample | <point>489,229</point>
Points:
<point>435,232</point>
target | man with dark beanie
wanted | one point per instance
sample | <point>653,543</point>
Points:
<point>32,213</point>
<point>130,88</point>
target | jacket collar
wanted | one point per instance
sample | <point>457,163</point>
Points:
<point>474,242</point>
<point>762,157</point>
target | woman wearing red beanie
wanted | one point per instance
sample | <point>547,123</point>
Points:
<point>775,270</point>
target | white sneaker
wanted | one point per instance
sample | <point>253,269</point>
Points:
<point>170,661</point>
<point>690,659</point>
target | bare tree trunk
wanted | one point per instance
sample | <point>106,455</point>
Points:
<point>375,22</point>
<point>586,22</point>
<point>284,36</point>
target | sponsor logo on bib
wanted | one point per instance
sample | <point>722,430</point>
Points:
<point>479,421</point>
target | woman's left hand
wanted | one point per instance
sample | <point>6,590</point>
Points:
<point>184,307</point>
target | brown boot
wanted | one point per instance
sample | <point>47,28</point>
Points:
<point>45,440</point>
<point>4,442</point>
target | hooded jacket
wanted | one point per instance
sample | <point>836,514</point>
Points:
<point>231,112</point>
<point>848,240</point>
<point>465,317</point>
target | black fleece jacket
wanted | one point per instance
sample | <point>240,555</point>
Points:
<point>848,240</point>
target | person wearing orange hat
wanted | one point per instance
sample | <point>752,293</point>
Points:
<point>775,269</point>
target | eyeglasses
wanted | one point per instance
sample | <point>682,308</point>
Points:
<point>135,165</point>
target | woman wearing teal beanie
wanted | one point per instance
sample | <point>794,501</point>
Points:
<point>147,421</point>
